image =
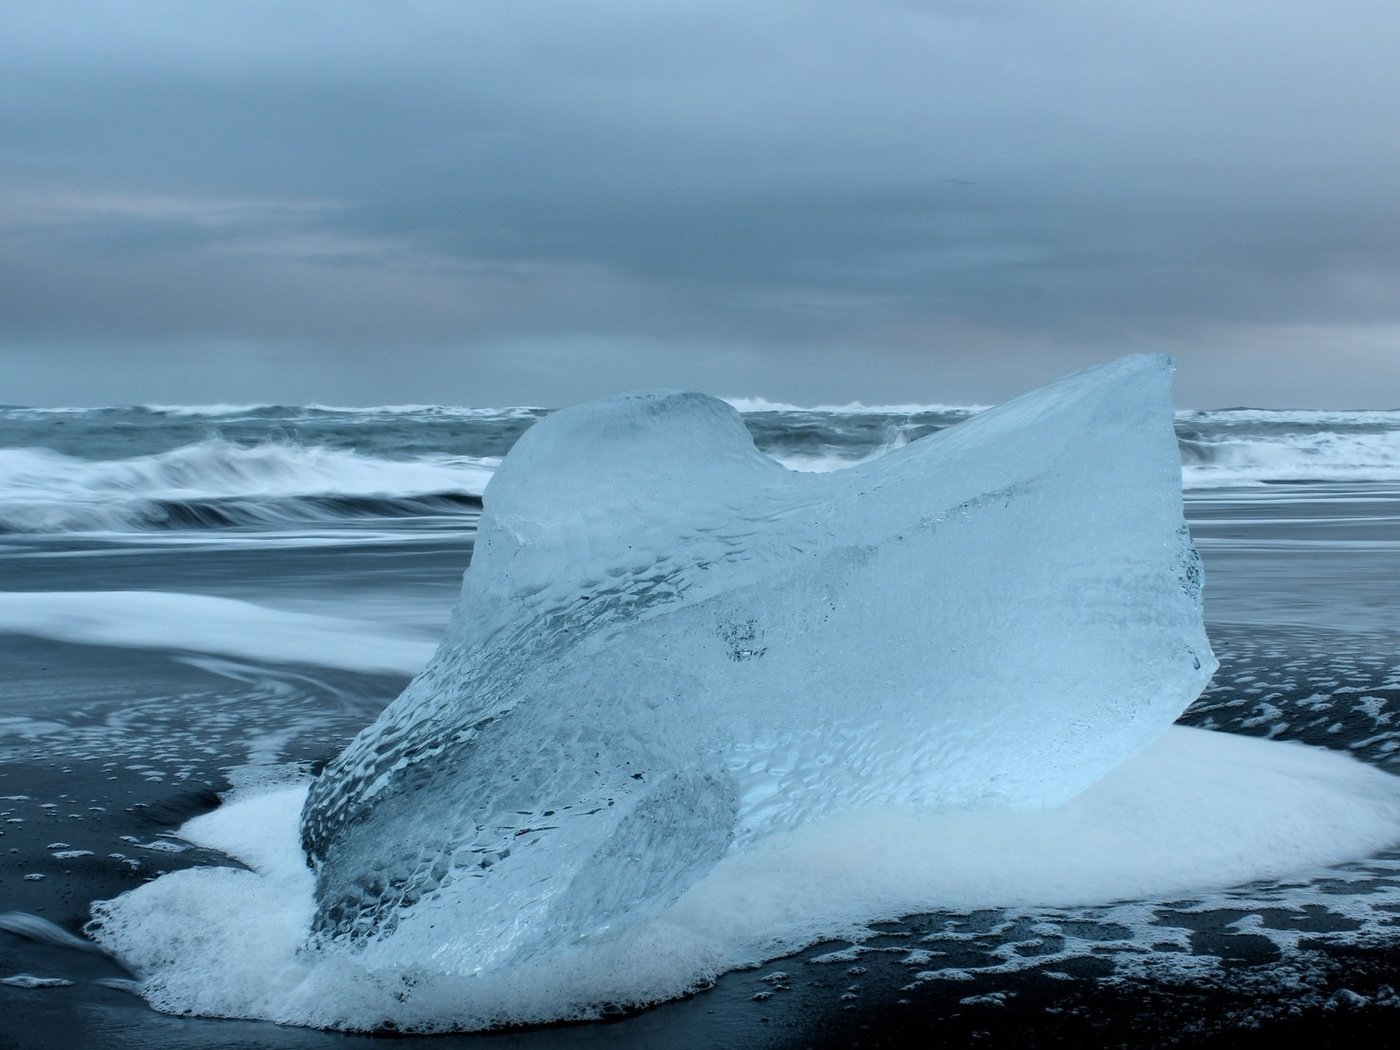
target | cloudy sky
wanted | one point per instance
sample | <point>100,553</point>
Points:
<point>539,202</point>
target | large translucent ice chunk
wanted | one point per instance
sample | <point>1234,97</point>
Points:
<point>668,646</point>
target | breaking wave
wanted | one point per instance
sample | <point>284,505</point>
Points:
<point>216,483</point>
<point>161,467</point>
<point>747,405</point>
<point>1323,455</point>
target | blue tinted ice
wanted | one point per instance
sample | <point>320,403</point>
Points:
<point>668,646</point>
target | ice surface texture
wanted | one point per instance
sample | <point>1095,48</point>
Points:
<point>668,646</point>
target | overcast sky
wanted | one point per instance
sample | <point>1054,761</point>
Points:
<point>530,202</point>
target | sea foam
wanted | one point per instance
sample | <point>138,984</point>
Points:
<point>1195,810</point>
<point>204,623</point>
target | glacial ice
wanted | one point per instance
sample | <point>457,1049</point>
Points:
<point>668,646</point>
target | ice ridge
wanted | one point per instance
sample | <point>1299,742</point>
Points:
<point>668,646</point>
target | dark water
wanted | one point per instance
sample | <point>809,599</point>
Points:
<point>105,749</point>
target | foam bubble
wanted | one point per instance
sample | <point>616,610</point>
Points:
<point>29,980</point>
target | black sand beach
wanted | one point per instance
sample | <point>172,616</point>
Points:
<point>108,749</point>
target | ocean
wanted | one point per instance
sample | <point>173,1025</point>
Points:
<point>196,599</point>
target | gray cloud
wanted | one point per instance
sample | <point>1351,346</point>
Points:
<point>813,200</point>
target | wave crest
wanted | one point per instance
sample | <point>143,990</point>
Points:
<point>1234,459</point>
<point>216,483</point>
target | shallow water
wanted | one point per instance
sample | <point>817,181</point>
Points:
<point>107,749</point>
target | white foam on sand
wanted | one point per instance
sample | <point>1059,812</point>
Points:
<point>204,623</point>
<point>1194,811</point>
